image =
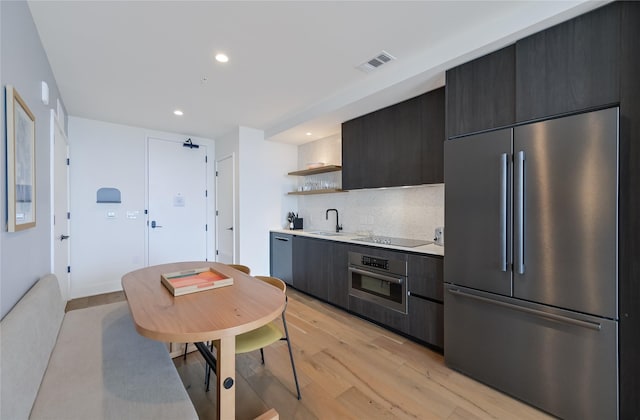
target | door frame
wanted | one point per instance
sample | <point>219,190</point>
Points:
<point>231,156</point>
<point>210,199</point>
<point>55,125</point>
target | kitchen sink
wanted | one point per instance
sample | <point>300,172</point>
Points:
<point>323,233</point>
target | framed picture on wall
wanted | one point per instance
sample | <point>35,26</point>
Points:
<point>21,163</point>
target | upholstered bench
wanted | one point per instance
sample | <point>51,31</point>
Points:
<point>85,364</point>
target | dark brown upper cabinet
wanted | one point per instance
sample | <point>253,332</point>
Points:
<point>481,93</point>
<point>395,146</point>
<point>570,67</point>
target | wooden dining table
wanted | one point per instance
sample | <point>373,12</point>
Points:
<point>216,315</point>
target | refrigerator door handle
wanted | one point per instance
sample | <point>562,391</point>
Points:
<point>519,213</point>
<point>503,212</point>
<point>559,318</point>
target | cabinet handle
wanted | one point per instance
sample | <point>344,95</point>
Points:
<point>279,238</point>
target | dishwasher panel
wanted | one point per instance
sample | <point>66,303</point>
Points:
<point>282,257</point>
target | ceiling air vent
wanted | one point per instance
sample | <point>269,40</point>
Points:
<point>377,61</point>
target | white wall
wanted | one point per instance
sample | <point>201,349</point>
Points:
<point>26,255</point>
<point>401,212</point>
<point>110,155</point>
<point>327,150</point>
<point>264,203</point>
<point>103,249</point>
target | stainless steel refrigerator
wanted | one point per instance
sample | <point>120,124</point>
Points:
<point>531,264</point>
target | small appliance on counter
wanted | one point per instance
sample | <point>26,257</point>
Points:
<point>438,238</point>
<point>295,222</point>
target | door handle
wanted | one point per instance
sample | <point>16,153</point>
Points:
<point>559,318</point>
<point>388,279</point>
<point>230,228</point>
<point>519,213</point>
<point>63,237</point>
<point>155,225</point>
<point>503,212</point>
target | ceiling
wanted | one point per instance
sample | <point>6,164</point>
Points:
<point>292,64</point>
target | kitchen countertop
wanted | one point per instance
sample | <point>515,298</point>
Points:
<point>348,237</point>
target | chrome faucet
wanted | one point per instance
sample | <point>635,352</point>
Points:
<point>338,226</point>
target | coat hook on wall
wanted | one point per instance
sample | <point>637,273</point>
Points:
<point>190,144</point>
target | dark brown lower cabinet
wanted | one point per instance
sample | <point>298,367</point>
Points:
<point>387,317</point>
<point>338,281</point>
<point>311,266</point>
<point>426,321</point>
<point>426,276</point>
<point>426,311</point>
<point>320,269</point>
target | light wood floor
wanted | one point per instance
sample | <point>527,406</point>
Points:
<point>348,368</point>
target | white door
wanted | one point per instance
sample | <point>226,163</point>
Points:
<point>177,202</point>
<point>225,200</point>
<point>60,207</point>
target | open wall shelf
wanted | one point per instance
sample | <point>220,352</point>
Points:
<point>315,171</point>
<point>324,191</point>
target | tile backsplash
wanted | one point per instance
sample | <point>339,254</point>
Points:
<point>402,212</point>
<point>412,212</point>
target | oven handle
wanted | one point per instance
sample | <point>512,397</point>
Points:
<point>377,276</point>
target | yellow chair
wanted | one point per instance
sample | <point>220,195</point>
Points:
<point>238,267</point>
<point>241,267</point>
<point>267,334</point>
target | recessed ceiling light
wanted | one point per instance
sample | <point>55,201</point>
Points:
<point>178,112</point>
<point>222,58</point>
<point>308,134</point>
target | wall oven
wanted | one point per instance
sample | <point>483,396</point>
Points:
<point>379,280</point>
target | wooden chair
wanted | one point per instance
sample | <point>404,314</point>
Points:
<point>266,335</point>
<point>238,267</point>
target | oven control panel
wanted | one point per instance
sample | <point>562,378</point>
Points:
<point>375,262</point>
<point>365,262</point>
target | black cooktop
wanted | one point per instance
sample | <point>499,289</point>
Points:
<point>388,240</point>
